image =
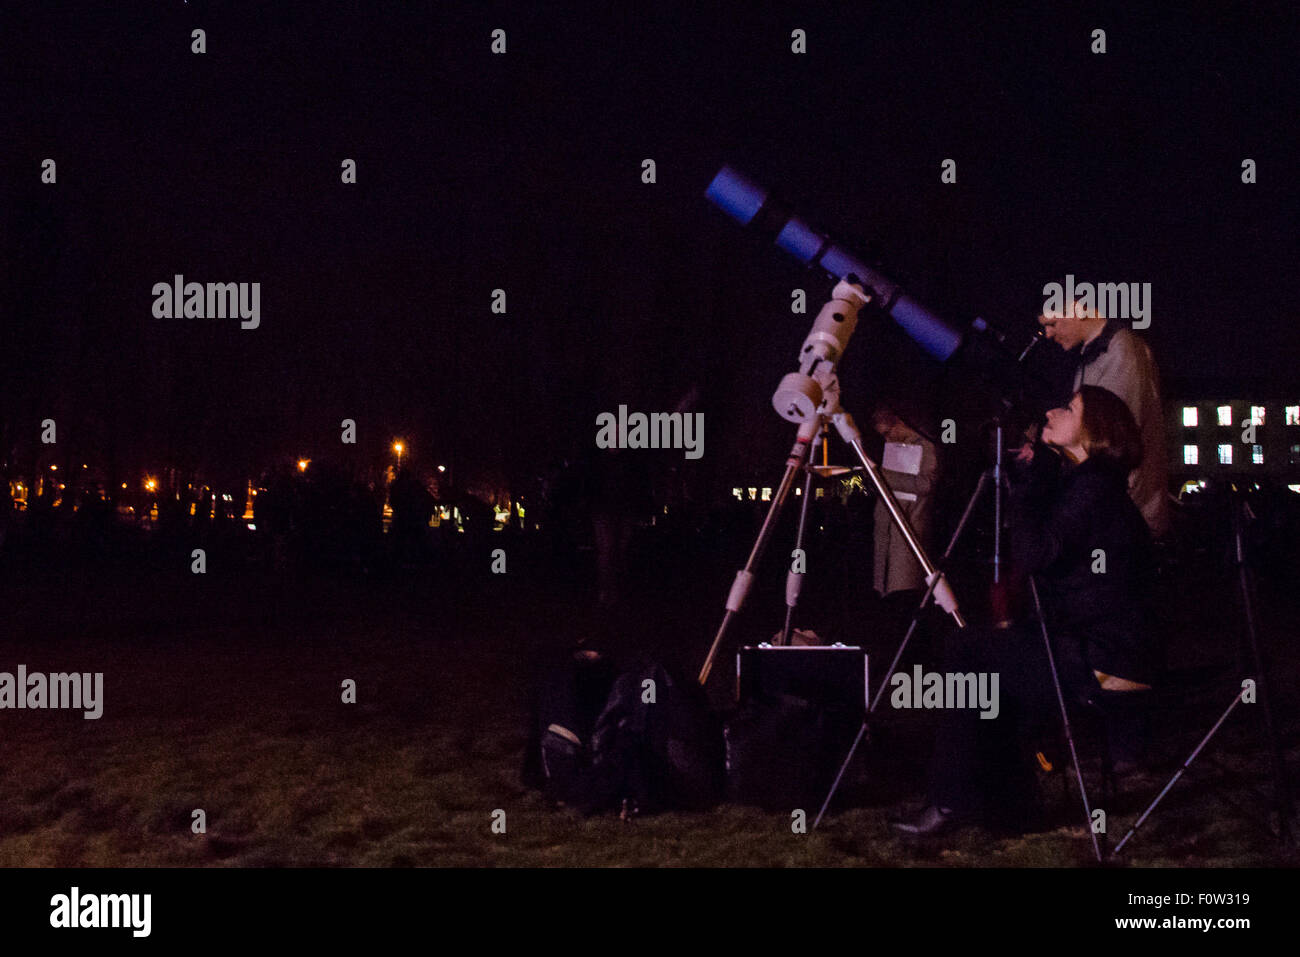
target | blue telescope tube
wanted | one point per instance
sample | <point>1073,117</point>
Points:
<point>751,205</point>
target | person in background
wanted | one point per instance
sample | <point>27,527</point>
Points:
<point>910,467</point>
<point>1113,357</point>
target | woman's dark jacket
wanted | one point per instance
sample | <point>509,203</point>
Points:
<point>1077,530</point>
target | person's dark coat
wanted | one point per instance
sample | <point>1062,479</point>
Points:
<point>1078,531</point>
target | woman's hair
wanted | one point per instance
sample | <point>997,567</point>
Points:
<point>1109,429</point>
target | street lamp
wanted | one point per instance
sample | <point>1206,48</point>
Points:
<point>399,448</point>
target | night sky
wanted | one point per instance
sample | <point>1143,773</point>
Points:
<point>523,172</point>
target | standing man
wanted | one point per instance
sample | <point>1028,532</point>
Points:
<point>1113,357</point>
<point>910,466</point>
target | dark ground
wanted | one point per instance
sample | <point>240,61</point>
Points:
<point>222,692</point>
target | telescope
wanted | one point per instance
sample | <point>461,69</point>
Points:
<point>753,206</point>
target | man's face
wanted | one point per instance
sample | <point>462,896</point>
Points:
<point>1067,328</point>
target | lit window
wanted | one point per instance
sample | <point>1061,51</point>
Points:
<point>1295,455</point>
<point>767,495</point>
<point>1190,455</point>
<point>739,493</point>
<point>753,493</point>
<point>1293,415</point>
<point>1257,455</point>
<point>1256,415</point>
<point>1189,416</point>
<point>1225,454</point>
<point>820,493</point>
<point>1225,415</point>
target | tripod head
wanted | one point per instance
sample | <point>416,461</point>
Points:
<point>800,395</point>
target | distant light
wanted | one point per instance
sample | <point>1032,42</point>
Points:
<point>399,448</point>
<point>302,464</point>
<point>252,527</point>
<point>442,468</point>
<point>123,485</point>
<point>83,465</point>
<point>150,484</point>
<point>54,468</point>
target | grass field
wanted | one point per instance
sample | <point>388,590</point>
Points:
<point>224,694</point>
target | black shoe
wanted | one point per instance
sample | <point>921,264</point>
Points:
<point>931,821</point>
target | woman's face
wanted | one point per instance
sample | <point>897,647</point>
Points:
<point>1064,427</point>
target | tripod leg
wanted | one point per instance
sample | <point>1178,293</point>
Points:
<point>1179,773</point>
<point>999,479</point>
<point>794,579</point>
<point>1281,784</point>
<point>916,617</point>
<point>943,593</point>
<point>1065,719</point>
<point>835,786</point>
<point>745,577</point>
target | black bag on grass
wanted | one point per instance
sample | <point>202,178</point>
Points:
<point>656,745</point>
<point>562,717</point>
<point>651,744</point>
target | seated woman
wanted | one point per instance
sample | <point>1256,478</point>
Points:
<point>1076,530</point>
